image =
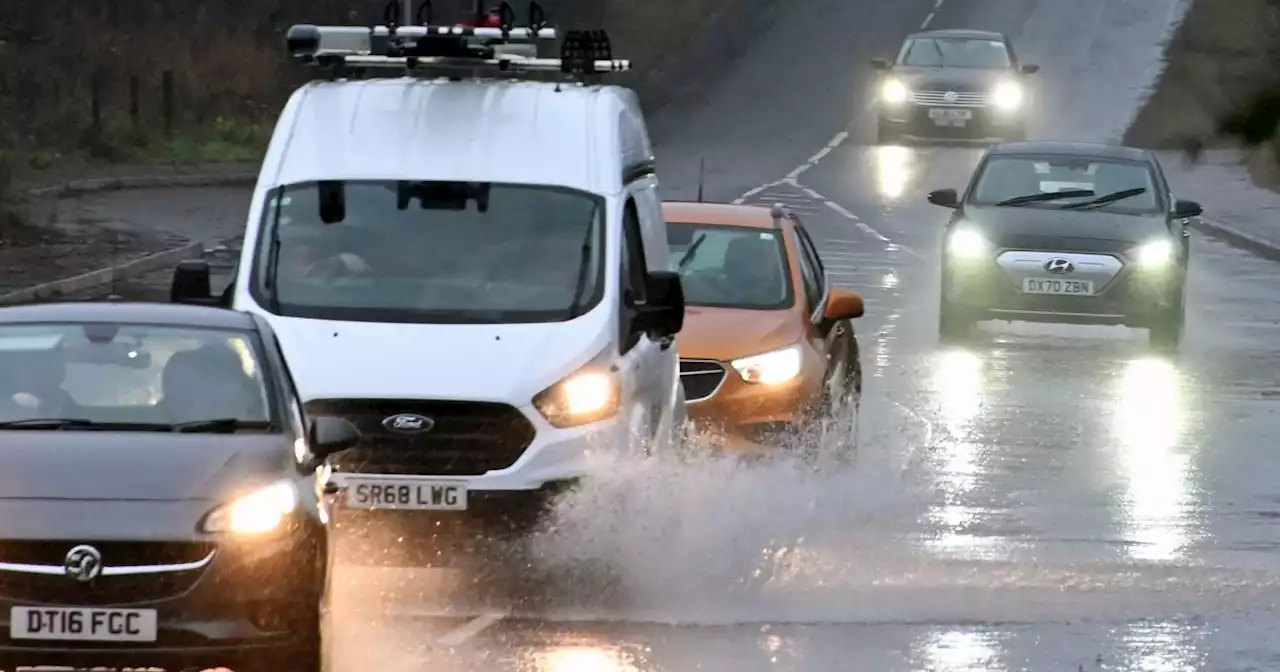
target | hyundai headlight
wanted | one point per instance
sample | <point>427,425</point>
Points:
<point>770,368</point>
<point>258,512</point>
<point>1007,96</point>
<point>1155,254</point>
<point>966,244</point>
<point>590,395</point>
<point>894,91</point>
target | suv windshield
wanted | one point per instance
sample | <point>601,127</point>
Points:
<point>952,52</point>
<point>1081,179</point>
<point>430,252</point>
<point>730,266</point>
<point>129,374</point>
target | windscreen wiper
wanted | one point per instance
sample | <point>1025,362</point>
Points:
<point>1046,196</point>
<point>217,426</point>
<point>690,253</point>
<point>1107,199</point>
<point>46,423</point>
<point>81,423</point>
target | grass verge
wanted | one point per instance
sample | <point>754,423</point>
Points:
<point>1221,55</point>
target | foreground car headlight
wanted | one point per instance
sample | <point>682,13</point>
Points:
<point>894,91</point>
<point>1007,96</point>
<point>770,368</point>
<point>1157,253</point>
<point>255,513</point>
<point>967,244</point>
<point>590,395</point>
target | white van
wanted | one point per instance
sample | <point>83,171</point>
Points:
<point>472,270</point>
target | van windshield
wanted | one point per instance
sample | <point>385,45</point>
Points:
<point>430,252</point>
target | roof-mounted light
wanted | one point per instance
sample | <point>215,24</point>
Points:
<point>425,48</point>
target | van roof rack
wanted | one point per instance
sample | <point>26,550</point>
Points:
<point>424,48</point>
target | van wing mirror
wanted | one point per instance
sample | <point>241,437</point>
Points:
<point>880,64</point>
<point>191,283</point>
<point>662,314</point>
<point>1029,69</point>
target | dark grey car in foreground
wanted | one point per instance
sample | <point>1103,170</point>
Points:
<point>161,495</point>
<point>1066,232</point>
<point>953,84</point>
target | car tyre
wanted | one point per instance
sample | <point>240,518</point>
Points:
<point>953,325</point>
<point>841,404</point>
<point>887,133</point>
<point>1165,332</point>
<point>313,652</point>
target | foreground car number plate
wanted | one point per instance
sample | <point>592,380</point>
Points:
<point>83,624</point>
<point>417,495</point>
<point>950,117</point>
<point>1059,287</point>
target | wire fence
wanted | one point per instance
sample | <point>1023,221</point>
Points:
<point>86,74</point>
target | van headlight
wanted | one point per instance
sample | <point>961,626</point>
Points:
<point>770,368</point>
<point>894,91</point>
<point>966,244</point>
<point>1155,254</point>
<point>1007,96</point>
<point>255,513</point>
<point>590,395</point>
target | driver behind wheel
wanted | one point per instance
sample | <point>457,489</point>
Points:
<point>751,270</point>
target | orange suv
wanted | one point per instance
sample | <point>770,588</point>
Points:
<point>768,344</point>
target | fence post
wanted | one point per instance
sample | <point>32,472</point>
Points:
<point>96,93</point>
<point>166,101</point>
<point>135,92</point>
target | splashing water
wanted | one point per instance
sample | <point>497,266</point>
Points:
<point>697,533</point>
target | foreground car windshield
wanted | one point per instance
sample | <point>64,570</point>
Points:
<point>435,252</point>
<point>730,266</point>
<point>131,374</point>
<point>947,52</point>
<point>1082,179</point>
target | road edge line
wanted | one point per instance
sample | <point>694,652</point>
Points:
<point>470,629</point>
<point>94,185</point>
<point>104,276</point>
<point>1238,239</point>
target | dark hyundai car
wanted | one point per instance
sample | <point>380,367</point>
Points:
<point>161,492</point>
<point>1066,232</point>
<point>953,84</point>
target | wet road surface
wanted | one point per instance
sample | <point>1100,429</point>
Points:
<point>1046,498</point>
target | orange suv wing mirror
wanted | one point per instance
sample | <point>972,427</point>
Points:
<point>844,305</point>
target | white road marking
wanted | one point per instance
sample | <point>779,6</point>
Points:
<point>792,177</point>
<point>470,629</point>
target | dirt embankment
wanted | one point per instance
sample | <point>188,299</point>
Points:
<point>1222,54</point>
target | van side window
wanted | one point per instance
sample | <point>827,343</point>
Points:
<point>634,273</point>
<point>633,262</point>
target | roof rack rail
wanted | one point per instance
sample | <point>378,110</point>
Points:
<point>428,49</point>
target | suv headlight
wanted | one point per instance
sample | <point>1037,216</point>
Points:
<point>590,395</point>
<point>770,368</point>
<point>1007,96</point>
<point>255,513</point>
<point>966,244</point>
<point>894,91</point>
<point>1155,254</point>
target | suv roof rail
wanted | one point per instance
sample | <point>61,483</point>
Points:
<point>427,49</point>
